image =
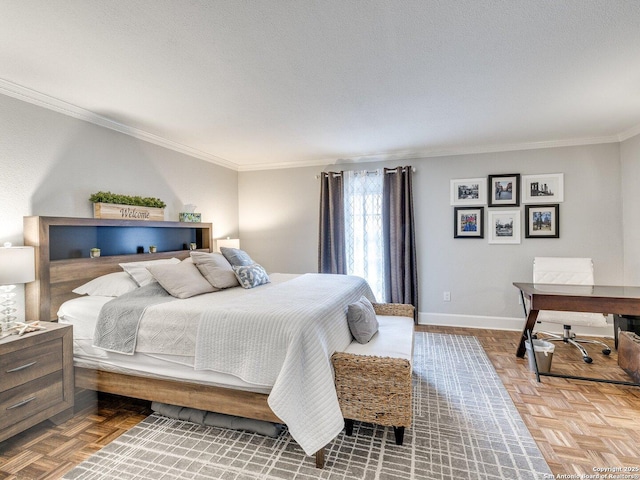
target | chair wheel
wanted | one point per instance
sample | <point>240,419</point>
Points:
<point>606,351</point>
<point>587,359</point>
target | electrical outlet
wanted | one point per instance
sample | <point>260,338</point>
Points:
<point>446,296</point>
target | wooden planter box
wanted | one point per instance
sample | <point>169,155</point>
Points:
<point>127,212</point>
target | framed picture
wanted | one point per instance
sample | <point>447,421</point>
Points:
<point>504,190</point>
<point>543,221</point>
<point>504,226</point>
<point>548,188</point>
<point>468,222</point>
<point>468,191</point>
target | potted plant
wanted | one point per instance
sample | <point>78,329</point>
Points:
<point>94,252</point>
<point>152,249</point>
<point>127,207</point>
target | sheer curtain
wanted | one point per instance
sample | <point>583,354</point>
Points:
<point>363,232</point>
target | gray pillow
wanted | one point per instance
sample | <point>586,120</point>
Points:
<point>362,320</point>
<point>215,268</point>
<point>236,257</point>
<point>251,276</point>
<point>181,280</point>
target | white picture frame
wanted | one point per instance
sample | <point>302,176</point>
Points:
<point>543,188</point>
<point>468,191</point>
<point>504,226</point>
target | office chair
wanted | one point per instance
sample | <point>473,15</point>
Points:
<point>568,271</point>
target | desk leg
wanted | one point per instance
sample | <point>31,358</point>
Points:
<point>531,321</point>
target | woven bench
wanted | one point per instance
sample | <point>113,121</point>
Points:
<point>373,381</point>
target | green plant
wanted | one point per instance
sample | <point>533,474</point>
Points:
<point>108,197</point>
<point>95,249</point>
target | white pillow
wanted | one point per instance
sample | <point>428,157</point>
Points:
<point>138,270</point>
<point>109,285</point>
<point>182,280</point>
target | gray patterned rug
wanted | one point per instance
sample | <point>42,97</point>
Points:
<point>465,426</point>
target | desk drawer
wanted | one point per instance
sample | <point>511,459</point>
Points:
<point>22,366</point>
<point>26,400</point>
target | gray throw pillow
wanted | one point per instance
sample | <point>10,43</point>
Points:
<point>215,268</point>
<point>251,276</point>
<point>362,320</point>
<point>181,280</point>
<point>236,257</point>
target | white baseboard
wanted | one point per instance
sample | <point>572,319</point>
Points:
<point>502,323</point>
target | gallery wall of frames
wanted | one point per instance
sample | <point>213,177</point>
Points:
<point>503,195</point>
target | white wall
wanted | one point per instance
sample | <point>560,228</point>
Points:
<point>630,160</point>
<point>51,163</point>
<point>478,275</point>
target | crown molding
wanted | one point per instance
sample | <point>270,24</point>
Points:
<point>627,134</point>
<point>432,153</point>
<point>40,99</point>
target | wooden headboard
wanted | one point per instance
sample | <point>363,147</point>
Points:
<point>62,247</point>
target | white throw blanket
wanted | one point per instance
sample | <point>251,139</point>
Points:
<point>285,337</point>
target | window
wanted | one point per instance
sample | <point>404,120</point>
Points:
<point>364,247</point>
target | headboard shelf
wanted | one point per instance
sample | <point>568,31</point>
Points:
<point>62,247</point>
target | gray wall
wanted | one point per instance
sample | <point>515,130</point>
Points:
<point>630,160</point>
<point>51,163</point>
<point>284,205</point>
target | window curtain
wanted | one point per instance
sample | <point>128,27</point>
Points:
<point>363,228</point>
<point>331,247</point>
<point>401,284</point>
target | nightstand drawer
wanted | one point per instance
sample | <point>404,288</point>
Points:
<point>28,399</point>
<point>24,365</point>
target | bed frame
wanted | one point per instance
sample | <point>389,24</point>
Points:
<point>62,263</point>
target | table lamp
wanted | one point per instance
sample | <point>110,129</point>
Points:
<point>228,242</point>
<point>17,265</point>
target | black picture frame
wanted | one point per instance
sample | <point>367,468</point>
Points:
<point>468,222</point>
<point>504,190</point>
<point>542,221</point>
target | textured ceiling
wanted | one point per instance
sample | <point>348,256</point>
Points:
<point>261,84</point>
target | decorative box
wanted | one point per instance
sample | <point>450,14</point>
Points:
<point>190,217</point>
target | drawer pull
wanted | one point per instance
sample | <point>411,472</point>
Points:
<point>17,369</point>
<point>23,402</point>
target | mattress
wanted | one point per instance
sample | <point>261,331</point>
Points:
<point>82,314</point>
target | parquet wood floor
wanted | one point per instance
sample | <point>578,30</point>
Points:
<point>579,426</point>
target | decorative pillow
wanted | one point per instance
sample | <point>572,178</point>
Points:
<point>236,257</point>
<point>181,280</point>
<point>251,276</point>
<point>109,285</point>
<point>215,268</point>
<point>138,270</point>
<point>362,320</point>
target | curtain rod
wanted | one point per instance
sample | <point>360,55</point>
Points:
<point>368,172</point>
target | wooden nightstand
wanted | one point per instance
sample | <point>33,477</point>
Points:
<point>36,378</point>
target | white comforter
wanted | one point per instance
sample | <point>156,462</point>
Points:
<point>285,337</point>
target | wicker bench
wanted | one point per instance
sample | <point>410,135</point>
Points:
<point>373,381</point>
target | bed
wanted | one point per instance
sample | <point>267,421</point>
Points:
<point>287,378</point>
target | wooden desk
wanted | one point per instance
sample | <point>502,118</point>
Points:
<point>619,300</point>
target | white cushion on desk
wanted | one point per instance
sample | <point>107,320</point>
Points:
<point>394,339</point>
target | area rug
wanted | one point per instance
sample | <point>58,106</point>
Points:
<point>465,426</point>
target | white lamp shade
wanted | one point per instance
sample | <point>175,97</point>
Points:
<point>17,265</point>
<point>228,242</point>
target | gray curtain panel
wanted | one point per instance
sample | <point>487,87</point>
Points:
<point>401,282</point>
<point>331,248</point>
